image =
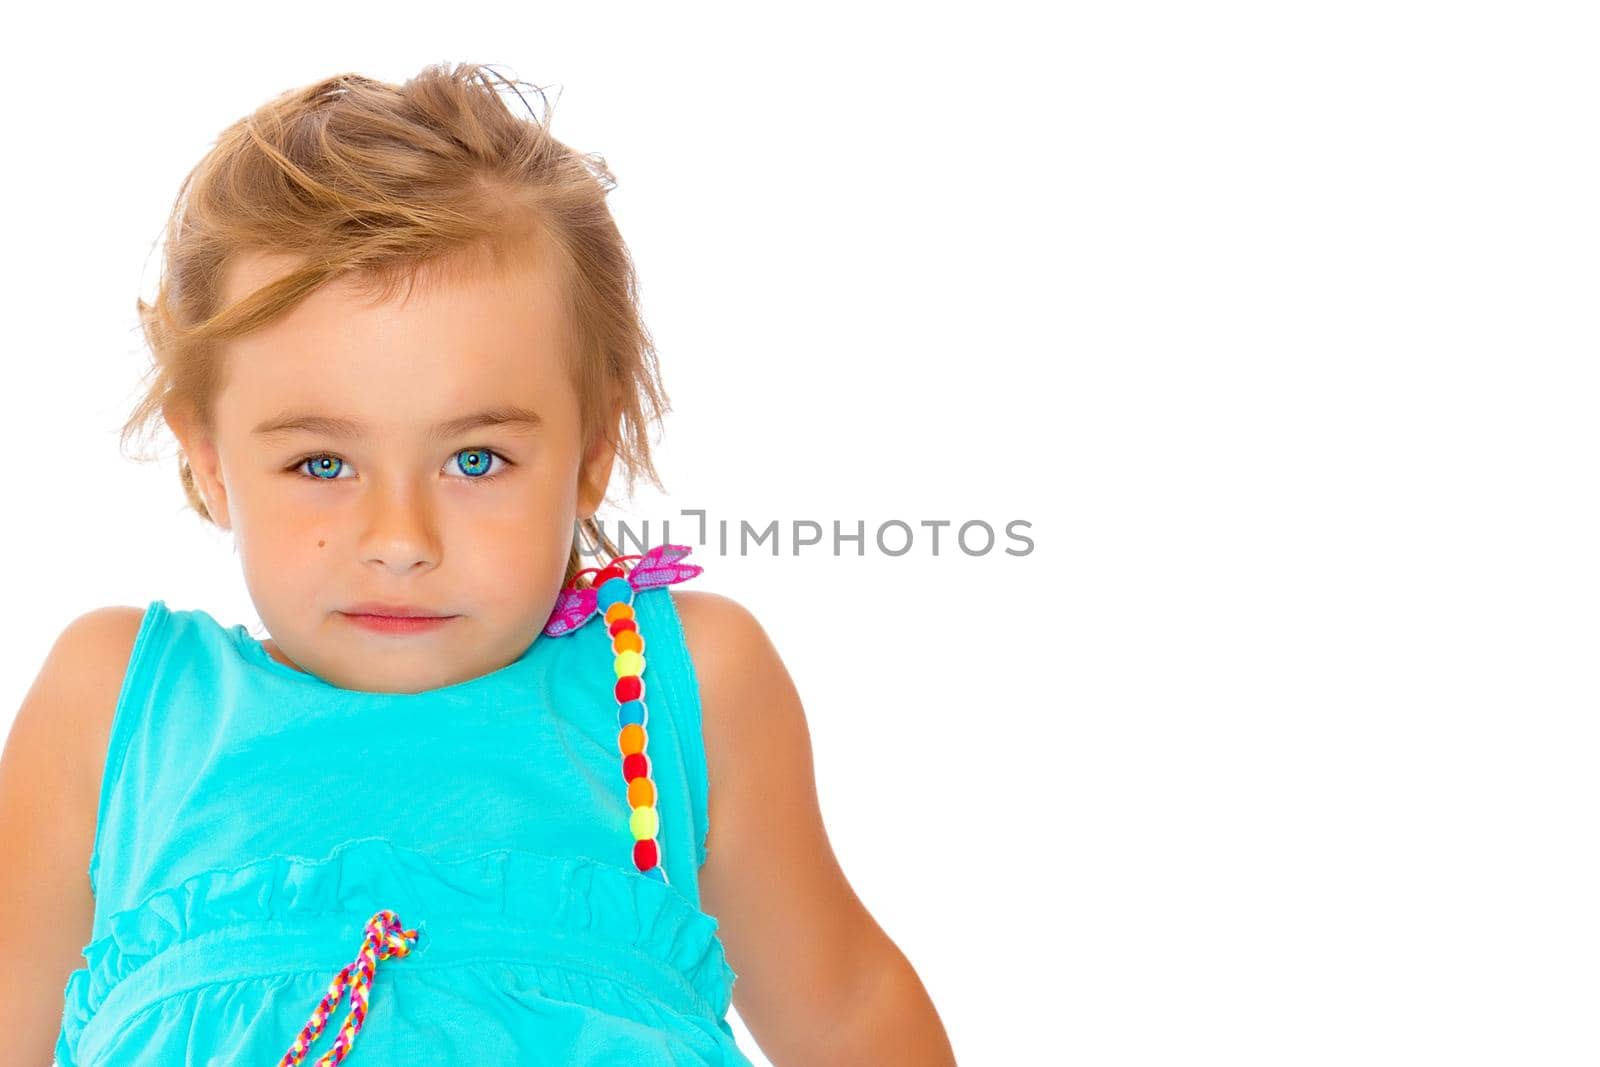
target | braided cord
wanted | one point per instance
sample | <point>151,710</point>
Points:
<point>384,928</point>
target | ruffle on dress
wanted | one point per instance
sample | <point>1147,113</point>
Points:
<point>285,915</point>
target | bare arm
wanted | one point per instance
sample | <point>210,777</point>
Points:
<point>819,980</point>
<point>891,1018</point>
<point>49,795</point>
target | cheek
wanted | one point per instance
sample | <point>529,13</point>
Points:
<point>284,556</point>
<point>548,501</point>
<point>519,537</point>
<point>510,563</point>
<point>272,533</point>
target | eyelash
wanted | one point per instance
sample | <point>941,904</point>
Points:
<point>298,466</point>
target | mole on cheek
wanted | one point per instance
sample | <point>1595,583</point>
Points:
<point>321,543</point>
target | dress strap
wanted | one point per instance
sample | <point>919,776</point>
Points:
<point>610,597</point>
<point>385,929</point>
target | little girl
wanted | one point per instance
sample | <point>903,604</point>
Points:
<point>464,786</point>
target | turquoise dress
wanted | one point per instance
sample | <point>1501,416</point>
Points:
<point>253,819</point>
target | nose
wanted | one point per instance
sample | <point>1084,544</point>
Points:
<point>401,529</point>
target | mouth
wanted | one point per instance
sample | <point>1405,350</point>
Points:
<point>373,609</point>
<point>397,624</point>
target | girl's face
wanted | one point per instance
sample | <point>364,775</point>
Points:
<point>336,465</point>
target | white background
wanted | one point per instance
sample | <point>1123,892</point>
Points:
<point>1276,322</point>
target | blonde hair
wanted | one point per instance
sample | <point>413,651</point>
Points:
<point>384,185</point>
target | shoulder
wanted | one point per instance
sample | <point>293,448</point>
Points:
<point>749,711</point>
<point>92,654</point>
<point>104,629</point>
<point>742,680</point>
<point>730,652</point>
<point>716,629</point>
<point>83,673</point>
<point>757,741</point>
<point>89,659</point>
<point>55,751</point>
<point>49,796</point>
<point>64,724</point>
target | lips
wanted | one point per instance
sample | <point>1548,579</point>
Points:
<point>395,611</point>
<point>397,625</point>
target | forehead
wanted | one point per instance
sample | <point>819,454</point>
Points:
<point>458,339</point>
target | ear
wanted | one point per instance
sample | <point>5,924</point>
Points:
<point>204,463</point>
<point>597,462</point>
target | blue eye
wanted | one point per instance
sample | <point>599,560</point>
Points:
<point>324,468</point>
<point>475,463</point>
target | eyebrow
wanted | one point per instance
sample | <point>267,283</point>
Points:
<point>519,419</point>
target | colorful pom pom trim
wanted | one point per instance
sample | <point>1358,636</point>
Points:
<point>609,596</point>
